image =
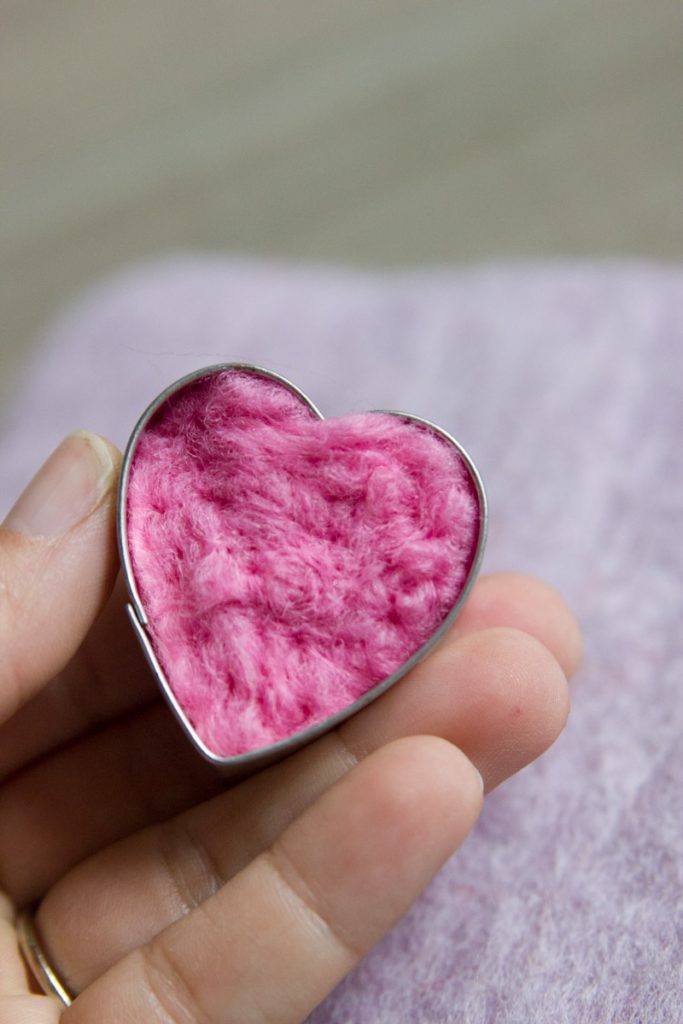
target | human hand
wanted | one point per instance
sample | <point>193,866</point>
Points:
<point>166,894</point>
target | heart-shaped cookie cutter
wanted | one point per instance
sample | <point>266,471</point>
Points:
<point>253,760</point>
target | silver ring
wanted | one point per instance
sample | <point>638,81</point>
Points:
<point>35,958</point>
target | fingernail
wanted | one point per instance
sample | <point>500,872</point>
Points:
<point>66,487</point>
<point>481,779</point>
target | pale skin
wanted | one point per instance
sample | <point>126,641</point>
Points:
<point>166,896</point>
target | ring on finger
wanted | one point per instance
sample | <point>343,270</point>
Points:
<point>34,955</point>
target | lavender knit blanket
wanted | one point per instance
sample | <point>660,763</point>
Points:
<point>565,382</point>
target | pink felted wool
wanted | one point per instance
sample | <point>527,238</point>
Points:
<point>288,564</point>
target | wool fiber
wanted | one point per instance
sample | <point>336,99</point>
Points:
<point>287,564</point>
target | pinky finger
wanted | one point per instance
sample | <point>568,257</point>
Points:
<point>273,941</point>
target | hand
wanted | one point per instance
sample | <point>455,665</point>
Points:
<point>165,894</point>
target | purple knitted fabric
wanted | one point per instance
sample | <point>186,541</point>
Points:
<point>565,905</point>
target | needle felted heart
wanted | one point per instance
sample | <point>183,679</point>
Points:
<point>285,565</point>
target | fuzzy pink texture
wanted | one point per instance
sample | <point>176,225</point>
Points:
<point>288,564</point>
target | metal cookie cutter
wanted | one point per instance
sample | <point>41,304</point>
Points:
<point>243,764</point>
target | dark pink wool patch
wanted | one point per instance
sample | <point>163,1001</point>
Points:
<point>288,564</point>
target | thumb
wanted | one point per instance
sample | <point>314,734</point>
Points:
<point>58,563</point>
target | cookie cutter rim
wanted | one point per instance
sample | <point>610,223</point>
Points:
<point>242,764</point>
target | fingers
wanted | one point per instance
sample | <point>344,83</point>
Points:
<point>109,675</point>
<point>497,694</point>
<point>469,697</point>
<point>57,564</point>
<point>271,943</point>
<point>29,1009</point>
<point>17,1004</point>
<point>526,603</point>
<point>12,970</point>
<point>138,770</point>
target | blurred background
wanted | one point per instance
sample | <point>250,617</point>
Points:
<point>383,133</point>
